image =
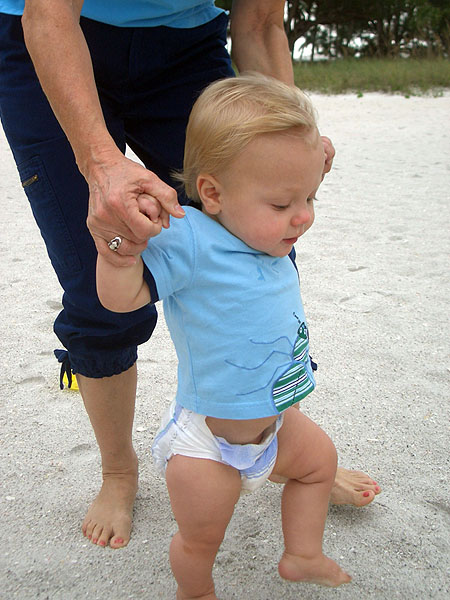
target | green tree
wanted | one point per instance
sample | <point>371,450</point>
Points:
<point>384,28</point>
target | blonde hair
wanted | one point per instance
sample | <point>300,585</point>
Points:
<point>230,113</point>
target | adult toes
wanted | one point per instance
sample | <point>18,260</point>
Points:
<point>363,498</point>
<point>87,529</point>
<point>118,541</point>
<point>100,536</point>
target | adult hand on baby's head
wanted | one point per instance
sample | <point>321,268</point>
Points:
<point>329,154</point>
<point>130,202</point>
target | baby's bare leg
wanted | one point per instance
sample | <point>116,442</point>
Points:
<point>307,457</point>
<point>350,487</point>
<point>203,494</point>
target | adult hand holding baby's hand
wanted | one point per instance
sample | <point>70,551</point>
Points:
<point>128,204</point>
<point>159,217</point>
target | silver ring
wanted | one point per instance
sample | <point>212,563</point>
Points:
<point>114,244</point>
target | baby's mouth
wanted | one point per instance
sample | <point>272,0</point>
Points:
<point>290,240</point>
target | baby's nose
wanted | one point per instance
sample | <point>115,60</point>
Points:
<point>301,217</point>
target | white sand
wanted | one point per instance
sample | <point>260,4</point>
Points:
<point>375,279</point>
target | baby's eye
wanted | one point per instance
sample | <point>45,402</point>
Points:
<point>312,199</point>
<point>280,206</point>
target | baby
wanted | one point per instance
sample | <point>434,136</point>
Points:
<point>253,163</point>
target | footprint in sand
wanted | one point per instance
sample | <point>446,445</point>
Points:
<point>80,449</point>
<point>363,303</point>
<point>356,269</point>
<point>54,305</point>
<point>27,380</point>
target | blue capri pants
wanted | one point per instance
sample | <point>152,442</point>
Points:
<point>148,80</point>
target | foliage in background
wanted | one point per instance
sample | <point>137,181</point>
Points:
<point>364,28</point>
<point>225,4</point>
<point>394,46</point>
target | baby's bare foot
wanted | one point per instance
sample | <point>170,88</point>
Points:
<point>353,487</point>
<point>320,569</point>
<point>109,518</point>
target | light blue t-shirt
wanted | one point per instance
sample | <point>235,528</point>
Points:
<point>236,318</point>
<point>138,13</point>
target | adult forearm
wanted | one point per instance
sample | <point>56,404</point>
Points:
<point>259,42</point>
<point>63,64</point>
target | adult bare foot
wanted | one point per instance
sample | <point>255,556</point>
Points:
<point>319,569</point>
<point>109,518</point>
<point>181,596</point>
<point>353,487</point>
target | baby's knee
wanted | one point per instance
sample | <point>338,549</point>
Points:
<point>329,457</point>
<point>324,460</point>
<point>207,540</point>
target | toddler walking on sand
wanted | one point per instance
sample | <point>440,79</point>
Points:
<point>253,163</point>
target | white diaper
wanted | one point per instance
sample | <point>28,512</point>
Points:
<point>185,432</point>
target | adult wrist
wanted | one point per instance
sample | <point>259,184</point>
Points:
<point>95,156</point>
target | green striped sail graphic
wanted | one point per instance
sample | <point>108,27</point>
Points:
<point>295,383</point>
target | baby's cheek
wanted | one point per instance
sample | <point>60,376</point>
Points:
<point>311,218</point>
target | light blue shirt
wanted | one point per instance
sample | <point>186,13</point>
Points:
<point>138,13</point>
<point>236,318</point>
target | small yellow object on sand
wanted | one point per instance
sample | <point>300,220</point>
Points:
<point>74,386</point>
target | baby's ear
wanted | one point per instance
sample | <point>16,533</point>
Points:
<point>209,190</point>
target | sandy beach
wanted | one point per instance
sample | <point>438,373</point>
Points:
<point>375,283</point>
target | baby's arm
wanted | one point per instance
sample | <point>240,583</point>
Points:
<point>121,289</point>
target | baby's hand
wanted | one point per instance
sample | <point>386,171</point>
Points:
<point>149,206</point>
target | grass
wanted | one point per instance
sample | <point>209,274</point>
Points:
<point>403,76</point>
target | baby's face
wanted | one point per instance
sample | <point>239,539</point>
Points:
<point>267,192</point>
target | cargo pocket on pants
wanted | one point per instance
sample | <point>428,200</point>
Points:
<point>49,216</point>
